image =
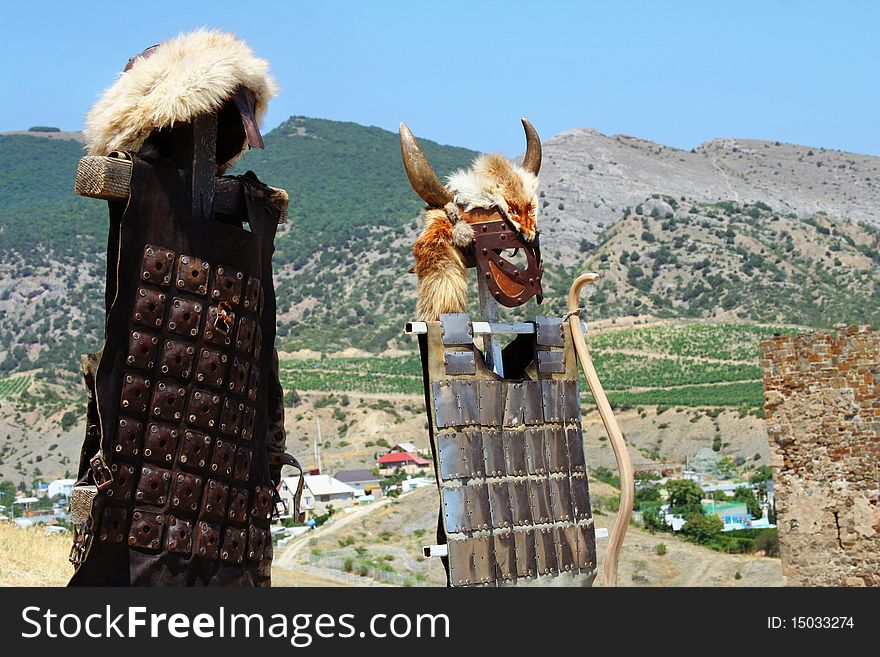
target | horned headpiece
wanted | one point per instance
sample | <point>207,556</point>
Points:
<point>479,214</point>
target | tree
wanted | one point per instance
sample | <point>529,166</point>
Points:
<point>747,495</point>
<point>7,493</point>
<point>702,528</point>
<point>726,467</point>
<point>685,497</point>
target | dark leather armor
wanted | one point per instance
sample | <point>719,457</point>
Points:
<point>187,410</point>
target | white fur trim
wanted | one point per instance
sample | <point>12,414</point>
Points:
<point>183,77</point>
<point>462,234</point>
<point>478,188</point>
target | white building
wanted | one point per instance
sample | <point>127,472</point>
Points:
<point>61,487</point>
<point>319,492</point>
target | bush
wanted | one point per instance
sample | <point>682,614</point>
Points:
<point>702,529</point>
<point>660,549</point>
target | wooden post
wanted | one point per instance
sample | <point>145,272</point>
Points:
<point>489,313</point>
<point>204,165</point>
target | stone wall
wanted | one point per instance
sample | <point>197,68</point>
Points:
<point>822,407</point>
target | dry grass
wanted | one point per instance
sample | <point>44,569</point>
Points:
<point>33,557</point>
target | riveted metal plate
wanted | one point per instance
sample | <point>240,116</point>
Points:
<point>186,493</point>
<point>478,506</point>
<point>160,443</point>
<point>153,486</point>
<point>192,274</point>
<point>560,499</point>
<point>135,395</point>
<point>244,458</point>
<point>446,411</point>
<point>238,505</point>
<point>536,458</point>
<point>113,525</point>
<point>124,476</point>
<point>227,285</point>
<point>461,562</point>
<point>491,404</point>
<point>580,497</point>
<point>453,464</point>
<point>552,399</point>
<point>230,417</point>
<point>146,529</point>
<point>214,501</point>
<point>514,401</point>
<point>459,362</point>
<point>142,348</point>
<point>157,265</point>
<point>256,543</point>
<point>244,337</point>
<point>467,401</point>
<point>202,410</point>
<point>178,535</point>
<point>207,540</point>
<point>168,401</point>
<point>258,342</point>
<point>195,451</point>
<point>557,449</point>
<point>545,551</point>
<point>238,375</point>
<point>505,555</point>
<point>253,388</point>
<point>455,509</point>
<point>211,368</point>
<point>499,504</point>
<point>252,294</point>
<point>571,407</point>
<point>548,331</point>
<point>177,359</point>
<point>234,544</point>
<point>585,557</point>
<point>484,560</point>
<point>224,459</point>
<point>473,453</point>
<point>455,329</point>
<point>524,545</point>
<point>551,362</point>
<point>575,440</point>
<point>514,443</point>
<point>185,317</point>
<point>129,436</point>
<point>566,547</point>
<point>149,307</point>
<point>218,327</point>
<point>247,423</point>
<point>520,506</point>
<point>539,500</point>
<point>532,408</point>
<point>493,450</point>
<point>261,507</point>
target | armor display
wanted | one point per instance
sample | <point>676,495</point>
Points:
<point>514,497</point>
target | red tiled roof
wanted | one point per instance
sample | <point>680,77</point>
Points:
<point>402,457</point>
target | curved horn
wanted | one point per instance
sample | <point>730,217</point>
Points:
<point>420,172</point>
<point>532,158</point>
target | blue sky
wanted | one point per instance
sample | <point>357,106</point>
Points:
<point>463,73</point>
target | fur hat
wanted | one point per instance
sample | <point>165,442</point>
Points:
<point>183,77</point>
<point>494,181</point>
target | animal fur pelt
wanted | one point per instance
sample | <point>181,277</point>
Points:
<point>181,78</point>
<point>492,181</point>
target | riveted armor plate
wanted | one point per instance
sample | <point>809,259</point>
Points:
<point>135,394</point>
<point>566,547</point>
<point>253,389</point>
<point>129,437</point>
<point>539,500</point>
<point>499,504</point>
<point>218,326</point>
<point>571,405</point>
<point>142,349</point>
<point>168,401</point>
<point>560,499</point>
<point>493,451</point>
<point>549,332</point>
<point>214,501</point>
<point>149,307</point>
<point>186,493</point>
<point>244,337</point>
<point>252,295</point>
<point>238,376</point>
<point>545,551</point>
<point>160,443</point>
<point>178,535</point>
<point>585,558</point>
<point>536,456</point>
<point>505,555</point>
<point>147,528</point>
<point>224,459</point>
<point>244,457</point>
<point>455,509</point>
<point>230,418</point>
<point>491,404</point>
<point>153,486</point>
<point>478,506</point>
<point>456,329</point>
<point>484,559</point>
<point>202,410</point>
<point>461,559</point>
<point>177,359</point>
<point>262,504</point>
<point>238,505</point>
<point>192,274</point>
<point>459,362</point>
<point>524,547</point>
<point>257,539</point>
<point>520,506</point>
<point>120,491</point>
<point>113,525</point>
<point>195,451</point>
<point>575,440</point>
<point>451,458</point>
<point>234,545</point>
<point>211,369</point>
<point>247,423</point>
<point>157,265</point>
<point>227,285</point>
<point>207,540</point>
<point>185,317</point>
<point>557,449</point>
<point>552,399</point>
<point>551,362</point>
<point>514,444</point>
<point>580,497</point>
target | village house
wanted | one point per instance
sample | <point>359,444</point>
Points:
<point>319,492</point>
<point>404,461</point>
<point>362,481</point>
